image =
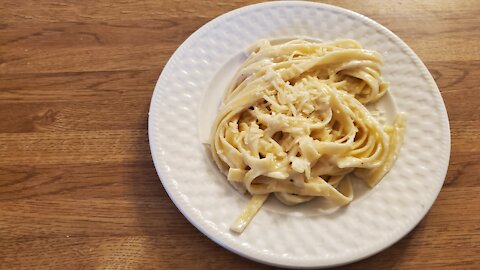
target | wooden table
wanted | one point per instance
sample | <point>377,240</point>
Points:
<point>78,189</point>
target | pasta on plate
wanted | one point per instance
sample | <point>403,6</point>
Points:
<point>294,123</point>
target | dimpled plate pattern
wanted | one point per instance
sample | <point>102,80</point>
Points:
<point>294,238</point>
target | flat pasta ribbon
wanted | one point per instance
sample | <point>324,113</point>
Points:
<point>293,123</point>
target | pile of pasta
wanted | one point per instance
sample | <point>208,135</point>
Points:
<point>293,123</point>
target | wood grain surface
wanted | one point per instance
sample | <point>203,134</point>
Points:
<point>78,189</point>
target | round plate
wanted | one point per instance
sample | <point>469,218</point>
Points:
<point>186,99</point>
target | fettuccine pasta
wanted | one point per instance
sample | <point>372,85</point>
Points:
<point>293,123</point>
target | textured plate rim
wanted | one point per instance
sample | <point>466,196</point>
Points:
<point>159,164</point>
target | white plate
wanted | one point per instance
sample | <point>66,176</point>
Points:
<point>186,99</point>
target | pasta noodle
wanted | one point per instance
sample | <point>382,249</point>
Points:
<point>293,123</point>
